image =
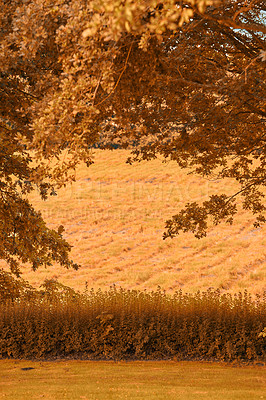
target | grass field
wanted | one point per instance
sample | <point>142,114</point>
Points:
<point>73,380</point>
<point>114,217</point>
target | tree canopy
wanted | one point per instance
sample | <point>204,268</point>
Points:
<point>183,80</point>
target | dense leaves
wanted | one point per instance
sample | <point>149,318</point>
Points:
<point>128,324</point>
<point>183,80</point>
<point>24,235</point>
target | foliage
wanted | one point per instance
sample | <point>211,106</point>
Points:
<point>129,324</point>
<point>263,333</point>
<point>13,289</point>
<point>183,80</point>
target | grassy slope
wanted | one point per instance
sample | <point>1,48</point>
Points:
<point>114,217</point>
<point>75,380</point>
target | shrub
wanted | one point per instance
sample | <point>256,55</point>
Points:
<point>128,324</point>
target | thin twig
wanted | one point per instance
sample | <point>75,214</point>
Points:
<point>243,190</point>
<point>120,76</point>
<point>245,8</point>
<point>97,87</point>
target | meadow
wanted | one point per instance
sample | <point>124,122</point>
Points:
<point>75,380</point>
<point>114,216</point>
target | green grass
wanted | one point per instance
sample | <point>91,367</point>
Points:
<point>88,380</point>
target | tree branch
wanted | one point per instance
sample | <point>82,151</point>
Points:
<point>120,76</point>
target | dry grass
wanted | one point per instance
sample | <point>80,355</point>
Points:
<point>114,217</point>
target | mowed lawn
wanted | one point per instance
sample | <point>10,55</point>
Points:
<point>114,216</point>
<point>160,380</point>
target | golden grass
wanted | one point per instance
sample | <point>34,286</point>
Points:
<point>114,217</point>
<point>159,380</point>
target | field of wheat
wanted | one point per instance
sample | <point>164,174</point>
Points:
<point>114,217</point>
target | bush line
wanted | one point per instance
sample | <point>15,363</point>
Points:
<point>124,324</point>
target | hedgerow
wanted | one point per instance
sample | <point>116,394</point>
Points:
<point>120,324</point>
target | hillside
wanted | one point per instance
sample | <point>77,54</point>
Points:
<point>114,217</point>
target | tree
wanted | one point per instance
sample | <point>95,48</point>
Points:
<point>24,235</point>
<point>179,79</point>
